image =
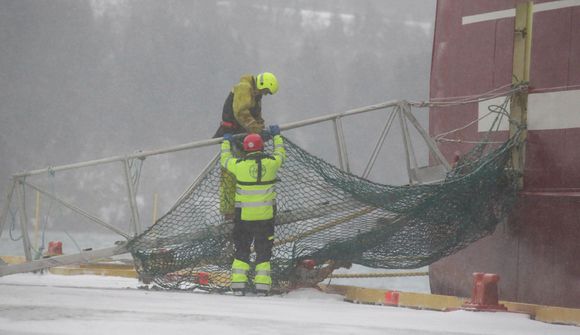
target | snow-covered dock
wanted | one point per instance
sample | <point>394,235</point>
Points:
<point>54,304</point>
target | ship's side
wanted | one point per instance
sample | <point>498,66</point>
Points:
<point>537,251</point>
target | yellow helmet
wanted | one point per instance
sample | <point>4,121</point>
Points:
<point>267,80</point>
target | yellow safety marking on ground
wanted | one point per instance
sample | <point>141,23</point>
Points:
<point>13,259</point>
<point>378,275</point>
<point>568,316</point>
<point>530,309</point>
<point>93,270</point>
<point>429,301</point>
<point>114,266</point>
<point>548,314</point>
<point>365,295</point>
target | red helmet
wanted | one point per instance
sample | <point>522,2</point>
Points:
<point>253,142</point>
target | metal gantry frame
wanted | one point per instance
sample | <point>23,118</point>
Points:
<point>402,109</point>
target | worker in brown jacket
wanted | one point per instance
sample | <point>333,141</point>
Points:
<point>242,112</point>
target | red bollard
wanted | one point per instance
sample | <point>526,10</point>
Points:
<point>203,278</point>
<point>484,296</point>
<point>392,298</point>
<point>54,248</point>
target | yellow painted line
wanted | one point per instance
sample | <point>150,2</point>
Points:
<point>114,266</point>
<point>519,307</point>
<point>13,259</point>
<point>567,316</point>
<point>365,295</point>
<point>379,274</point>
<point>548,314</point>
<point>429,301</point>
<point>79,270</point>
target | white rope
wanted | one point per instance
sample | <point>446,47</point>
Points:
<point>455,101</point>
<point>497,109</point>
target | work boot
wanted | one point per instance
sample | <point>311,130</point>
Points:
<point>239,292</point>
<point>262,293</point>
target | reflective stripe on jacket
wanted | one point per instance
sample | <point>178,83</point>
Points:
<point>255,179</point>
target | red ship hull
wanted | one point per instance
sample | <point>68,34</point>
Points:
<point>537,251</point>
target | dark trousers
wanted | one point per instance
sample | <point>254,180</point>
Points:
<point>257,231</point>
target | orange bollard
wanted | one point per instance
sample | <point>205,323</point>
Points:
<point>484,296</point>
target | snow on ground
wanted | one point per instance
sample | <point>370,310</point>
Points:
<point>53,304</point>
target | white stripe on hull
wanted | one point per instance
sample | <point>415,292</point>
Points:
<point>552,110</point>
<point>502,14</point>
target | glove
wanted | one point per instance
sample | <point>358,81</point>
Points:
<point>274,130</point>
<point>228,137</point>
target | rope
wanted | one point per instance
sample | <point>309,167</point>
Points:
<point>472,98</point>
<point>320,228</point>
<point>379,275</point>
<point>500,110</point>
<point>135,166</point>
<point>13,225</point>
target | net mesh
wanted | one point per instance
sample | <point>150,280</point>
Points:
<point>326,214</point>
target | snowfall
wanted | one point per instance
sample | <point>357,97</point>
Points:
<point>88,304</point>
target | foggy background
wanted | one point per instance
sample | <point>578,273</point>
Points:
<point>88,79</point>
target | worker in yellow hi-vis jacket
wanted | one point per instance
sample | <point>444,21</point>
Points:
<point>255,206</point>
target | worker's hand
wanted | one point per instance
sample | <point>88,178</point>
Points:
<point>274,130</point>
<point>228,137</point>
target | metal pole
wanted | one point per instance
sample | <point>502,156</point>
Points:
<point>155,201</point>
<point>379,144</point>
<point>84,256</point>
<point>406,144</point>
<point>6,208</point>
<point>203,143</point>
<point>132,201</point>
<point>414,164</point>
<point>430,143</point>
<point>319,119</point>
<point>141,154</point>
<point>521,75</point>
<point>37,221</point>
<point>80,211</point>
<point>341,145</point>
<point>24,221</point>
